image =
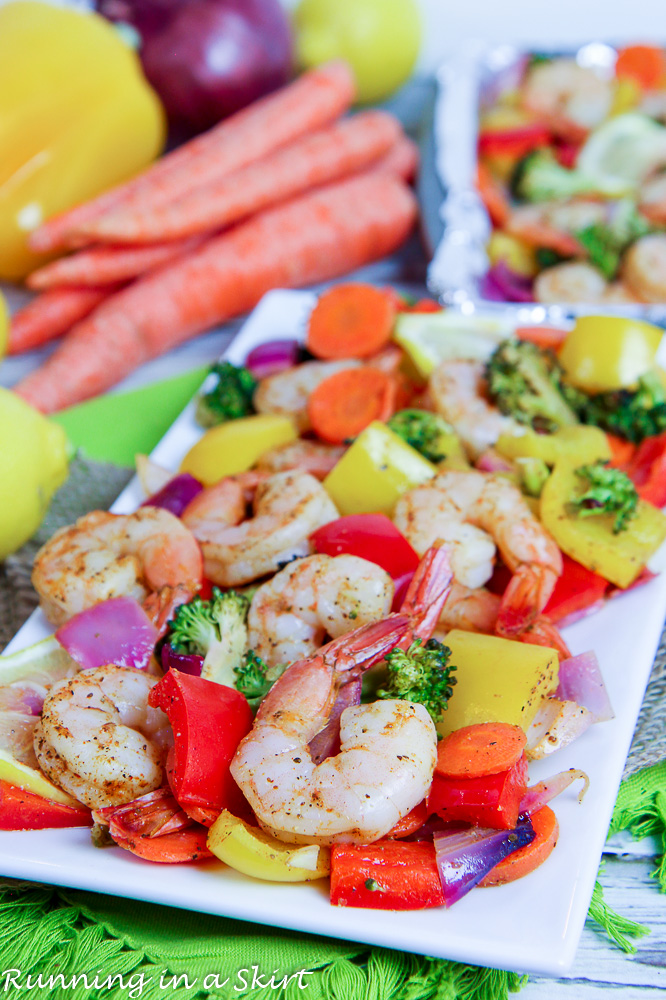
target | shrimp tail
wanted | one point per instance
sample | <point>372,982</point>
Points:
<point>366,645</point>
<point>542,632</point>
<point>525,598</point>
<point>428,592</point>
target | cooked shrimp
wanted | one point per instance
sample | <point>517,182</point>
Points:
<point>313,597</point>
<point>288,391</point>
<point>653,199</point>
<point>387,749</point>
<point>106,555</point>
<point>619,294</point>
<point>553,225</point>
<point>572,98</point>
<point>452,504</point>
<point>644,268</point>
<point>472,610</point>
<point>288,507</point>
<point>314,457</point>
<point>458,390</point>
<point>572,281</point>
<point>99,739</point>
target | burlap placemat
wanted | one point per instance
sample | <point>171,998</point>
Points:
<point>93,486</point>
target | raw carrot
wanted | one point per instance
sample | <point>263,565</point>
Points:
<point>548,337</point>
<point>478,750</point>
<point>402,160</point>
<point>108,264</point>
<point>51,314</point>
<point>527,859</point>
<point>313,238</point>
<point>321,157</point>
<point>345,403</point>
<point>350,321</point>
<point>492,195</point>
<point>646,64</point>
<point>312,100</point>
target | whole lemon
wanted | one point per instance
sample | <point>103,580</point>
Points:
<point>4,326</point>
<point>34,456</point>
<point>380,40</point>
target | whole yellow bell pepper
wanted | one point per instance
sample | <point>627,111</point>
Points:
<point>377,468</point>
<point>605,353</point>
<point>591,540</point>
<point>76,117</point>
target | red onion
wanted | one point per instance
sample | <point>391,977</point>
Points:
<point>491,461</point>
<point>114,631</point>
<point>273,356</point>
<point>465,857</point>
<point>176,494</point>
<point>539,795</point>
<point>152,815</point>
<point>25,700</point>
<point>208,58</point>
<point>502,284</point>
<point>189,663</point>
<point>17,737</point>
<point>556,724</point>
<point>327,742</point>
<point>580,680</point>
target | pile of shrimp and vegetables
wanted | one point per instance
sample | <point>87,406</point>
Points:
<point>328,644</point>
<point>572,171</point>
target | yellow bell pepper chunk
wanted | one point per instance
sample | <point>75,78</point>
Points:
<point>590,540</point>
<point>604,353</point>
<point>580,443</point>
<point>76,117</point>
<point>497,680</point>
<point>253,852</point>
<point>519,256</point>
<point>31,780</point>
<point>377,469</point>
<point>235,446</point>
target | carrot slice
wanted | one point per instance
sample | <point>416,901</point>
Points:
<point>345,403</point>
<point>548,337</point>
<point>492,195</point>
<point>646,64</point>
<point>350,321</point>
<point>527,859</point>
<point>172,848</point>
<point>410,823</point>
<point>622,452</point>
<point>475,751</point>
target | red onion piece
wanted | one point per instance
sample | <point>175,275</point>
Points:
<point>152,815</point>
<point>26,700</point>
<point>540,794</point>
<point>502,284</point>
<point>556,724</point>
<point>176,495</point>
<point>327,742</point>
<point>16,737</point>
<point>465,857</point>
<point>114,631</point>
<point>580,680</point>
<point>491,461</point>
<point>189,663</point>
<point>271,357</point>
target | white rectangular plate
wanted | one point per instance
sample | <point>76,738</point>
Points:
<point>532,925</point>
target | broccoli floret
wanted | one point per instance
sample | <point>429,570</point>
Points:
<point>631,414</point>
<point>215,629</point>
<point>254,678</point>
<point>539,177</point>
<point>426,432</point>
<point>422,674</point>
<point>526,383</point>
<point>609,491</point>
<point>605,244</point>
<point>230,397</point>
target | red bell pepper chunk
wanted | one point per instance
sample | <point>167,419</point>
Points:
<point>21,810</point>
<point>371,536</point>
<point>388,875</point>
<point>208,720</point>
<point>517,141</point>
<point>576,589</point>
<point>493,800</point>
<point>647,470</point>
